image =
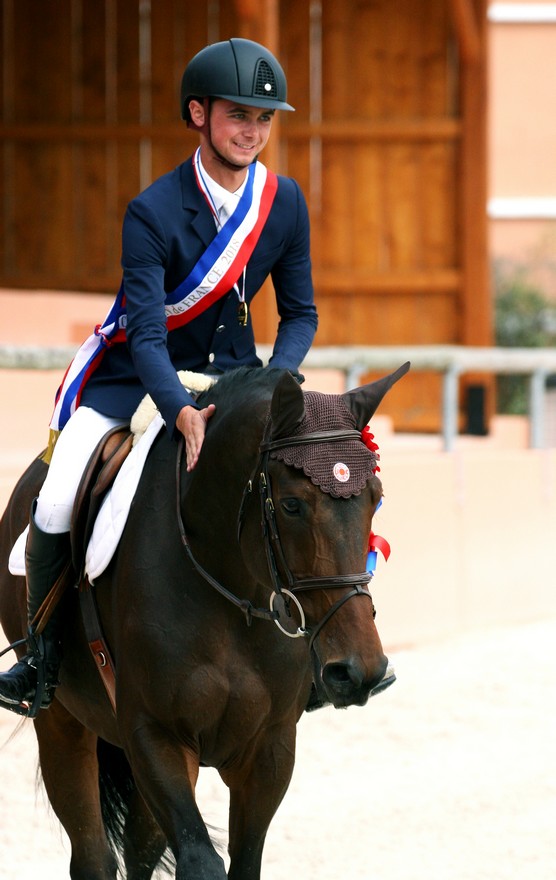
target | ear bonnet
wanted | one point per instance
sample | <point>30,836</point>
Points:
<point>339,467</point>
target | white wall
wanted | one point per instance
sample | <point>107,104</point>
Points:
<point>473,536</point>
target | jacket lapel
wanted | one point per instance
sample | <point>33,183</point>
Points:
<point>193,201</point>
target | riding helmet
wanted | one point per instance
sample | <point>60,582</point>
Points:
<point>238,70</point>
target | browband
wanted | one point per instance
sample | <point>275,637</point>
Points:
<point>314,437</point>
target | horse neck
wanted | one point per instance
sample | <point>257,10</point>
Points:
<point>214,490</point>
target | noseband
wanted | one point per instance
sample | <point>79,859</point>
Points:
<point>285,585</point>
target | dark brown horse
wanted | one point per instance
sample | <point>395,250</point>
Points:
<point>271,527</point>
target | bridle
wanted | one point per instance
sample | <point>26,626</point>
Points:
<point>285,585</point>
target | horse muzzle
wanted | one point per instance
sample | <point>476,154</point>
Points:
<point>345,685</point>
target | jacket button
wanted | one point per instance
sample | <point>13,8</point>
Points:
<point>220,328</point>
<point>211,358</point>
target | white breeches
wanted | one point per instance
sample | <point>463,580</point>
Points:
<point>73,450</point>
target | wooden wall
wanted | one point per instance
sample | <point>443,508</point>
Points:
<point>387,142</point>
<point>90,116</point>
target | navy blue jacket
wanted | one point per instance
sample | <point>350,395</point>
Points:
<point>166,229</point>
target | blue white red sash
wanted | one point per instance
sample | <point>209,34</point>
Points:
<point>216,272</point>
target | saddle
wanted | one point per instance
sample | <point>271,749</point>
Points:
<point>100,473</point>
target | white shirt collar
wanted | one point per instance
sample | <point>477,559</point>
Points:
<point>224,202</point>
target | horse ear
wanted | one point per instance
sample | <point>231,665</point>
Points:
<point>364,401</point>
<point>287,407</point>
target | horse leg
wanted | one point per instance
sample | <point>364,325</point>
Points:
<point>254,799</point>
<point>128,822</point>
<point>69,767</point>
<point>144,841</point>
<point>166,772</point>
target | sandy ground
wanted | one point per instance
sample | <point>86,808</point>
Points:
<point>449,775</point>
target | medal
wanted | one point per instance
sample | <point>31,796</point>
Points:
<point>242,313</point>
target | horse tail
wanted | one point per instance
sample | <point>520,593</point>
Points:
<point>116,786</point>
<point>118,791</point>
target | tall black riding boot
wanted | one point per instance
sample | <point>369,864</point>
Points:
<point>45,557</point>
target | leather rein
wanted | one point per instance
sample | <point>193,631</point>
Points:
<point>285,586</point>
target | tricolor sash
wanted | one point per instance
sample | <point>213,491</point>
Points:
<point>216,272</point>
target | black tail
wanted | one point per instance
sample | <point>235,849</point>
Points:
<point>118,798</point>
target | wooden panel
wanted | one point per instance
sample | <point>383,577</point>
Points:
<point>438,184</point>
<point>124,66</point>
<point>40,172</point>
<point>42,75</point>
<point>368,209</point>
<point>477,309</point>
<point>90,46</point>
<point>73,78</point>
<point>175,38</point>
<point>386,319</point>
<point>388,258</point>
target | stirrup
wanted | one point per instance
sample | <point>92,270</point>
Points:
<point>44,693</point>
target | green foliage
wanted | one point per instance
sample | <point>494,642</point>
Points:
<point>524,317</point>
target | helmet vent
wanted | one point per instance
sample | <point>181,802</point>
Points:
<point>265,81</point>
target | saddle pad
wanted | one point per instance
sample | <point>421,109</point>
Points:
<point>145,425</point>
<point>16,561</point>
<point>114,509</point>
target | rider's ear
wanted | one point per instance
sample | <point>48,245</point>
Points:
<point>197,113</point>
<point>287,407</point>
<point>363,402</point>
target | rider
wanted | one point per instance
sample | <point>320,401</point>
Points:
<point>197,246</point>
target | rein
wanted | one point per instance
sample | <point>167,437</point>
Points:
<point>275,556</point>
<point>244,605</point>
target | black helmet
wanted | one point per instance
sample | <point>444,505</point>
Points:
<point>238,70</point>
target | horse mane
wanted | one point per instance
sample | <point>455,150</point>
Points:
<point>242,386</point>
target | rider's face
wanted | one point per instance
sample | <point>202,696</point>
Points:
<point>238,133</point>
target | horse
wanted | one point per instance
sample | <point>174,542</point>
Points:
<point>238,589</point>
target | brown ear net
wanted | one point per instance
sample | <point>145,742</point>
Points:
<point>341,468</point>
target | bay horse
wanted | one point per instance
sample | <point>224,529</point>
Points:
<point>271,527</point>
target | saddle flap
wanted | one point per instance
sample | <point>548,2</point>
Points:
<point>100,473</point>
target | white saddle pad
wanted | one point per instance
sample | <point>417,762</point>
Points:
<point>112,516</point>
<point>114,509</point>
<point>16,562</point>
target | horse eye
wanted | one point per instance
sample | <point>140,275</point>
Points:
<point>290,506</point>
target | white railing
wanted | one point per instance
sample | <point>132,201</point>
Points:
<point>451,361</point>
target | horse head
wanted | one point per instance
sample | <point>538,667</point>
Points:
<point>319,491</point>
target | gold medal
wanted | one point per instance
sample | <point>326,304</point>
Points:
<point>242,313</point>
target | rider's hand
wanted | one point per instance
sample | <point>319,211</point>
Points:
<point>193,423</point>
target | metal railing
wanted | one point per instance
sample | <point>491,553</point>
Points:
<point>451,361</point>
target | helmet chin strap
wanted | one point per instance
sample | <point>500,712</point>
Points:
<point>225,162</point>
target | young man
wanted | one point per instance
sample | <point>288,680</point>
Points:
<point>197,246</point>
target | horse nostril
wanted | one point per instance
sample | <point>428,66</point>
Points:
<point>337,674</point>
